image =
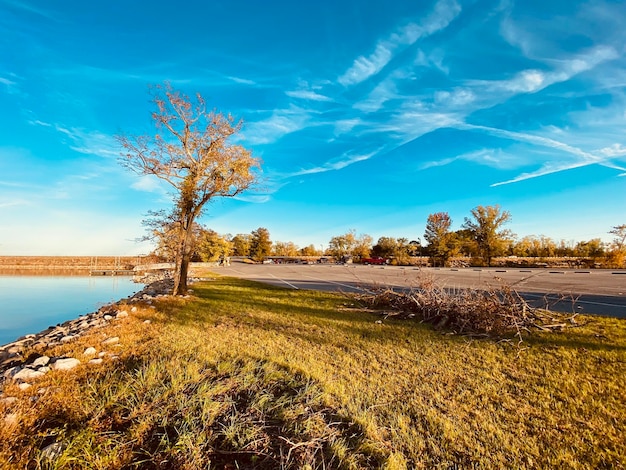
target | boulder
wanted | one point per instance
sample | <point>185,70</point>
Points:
<point>65,364</point>
<point>41,361</point>
<point>27,374</point>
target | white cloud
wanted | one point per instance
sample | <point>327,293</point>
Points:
<point>346,125</point>
<point>307,95</point>
<point>279,124</point>
<point>7,82</point>
<point>615,150</point>
<point>384,91</point>
<point>242,81</point>
<point>364,67</point>
<point>495,158</point>
<point>532,80</point>
<point>579,158</point>
<point>90,142</point>
<point>148,183</point>
<point>340,163</point>
<point>455,98</point>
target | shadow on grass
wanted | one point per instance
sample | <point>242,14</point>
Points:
<point>238,301</point>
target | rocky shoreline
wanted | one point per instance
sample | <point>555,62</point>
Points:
<point>15,366</point>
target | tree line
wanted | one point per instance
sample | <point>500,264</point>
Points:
<point>481,238</point>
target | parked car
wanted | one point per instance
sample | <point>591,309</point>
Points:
<point>375,261</point>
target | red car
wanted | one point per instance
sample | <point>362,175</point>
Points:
<point>374,261</point>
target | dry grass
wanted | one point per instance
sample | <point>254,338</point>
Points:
<point>253,376</point>
<point>496,311</point>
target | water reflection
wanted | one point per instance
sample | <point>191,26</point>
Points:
<point>31,303</point>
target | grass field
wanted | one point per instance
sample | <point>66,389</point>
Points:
<point>245,375</point>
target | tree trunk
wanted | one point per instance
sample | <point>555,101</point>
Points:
<point>183,256</point>
<point>180,276</point>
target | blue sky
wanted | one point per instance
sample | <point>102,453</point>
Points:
<point>367,115</point>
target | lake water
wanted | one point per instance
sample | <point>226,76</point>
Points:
<point>30,304</point>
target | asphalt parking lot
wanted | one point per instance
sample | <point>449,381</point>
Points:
<point>601,292</point>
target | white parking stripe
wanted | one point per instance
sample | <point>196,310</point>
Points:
<point>282,280</point>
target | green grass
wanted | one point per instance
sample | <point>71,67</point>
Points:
<point>246,375</point>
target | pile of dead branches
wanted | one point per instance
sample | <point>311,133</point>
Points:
<point>496,311</point>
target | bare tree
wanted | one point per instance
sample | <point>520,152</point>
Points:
<point>191,151</point>
<point>619,242</point>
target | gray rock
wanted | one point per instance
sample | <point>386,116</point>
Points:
<point>122,314</point>
<point>108,317</point>
<point>96,361</point>
<point>41,361</point>
<point>68,338</point>
<point>90,351</point>
<point>27,374</point>
<point>24,386</point>
<point>65,364</point>
<point>9,373</point>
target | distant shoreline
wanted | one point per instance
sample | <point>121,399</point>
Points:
<point>65,265</point>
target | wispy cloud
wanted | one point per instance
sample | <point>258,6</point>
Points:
<point>85,141</point>
<point>365,67</point>
<point>339,163</point>
<point>279,124</point>
<point>383,92</point>
<point>148,183</point>
<point>343,126</point>
<point>495,158</point>
<point>242,81</point>
<point>24,6</point>
<point>534,80</point>
<point>615,150</point>
<point>18,202</point>
<point>7,82</point>
<point>307,95</point>
<point>580,158</point>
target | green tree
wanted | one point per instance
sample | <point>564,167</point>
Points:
<point>385,247</point>
<point>212,246</point>
<point>165,235</point>
<point>191,152</point>
<point>590,249</point>
<point>441,241</point>
<point>362,247</point>
<point>260,244</point>
<point>310,251</point>
<point>285,249</point>
<point>486,230</point>
<point>342,245</point>
<point>415,248</point>
<point>402,253</point>
<point>241,244</point>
